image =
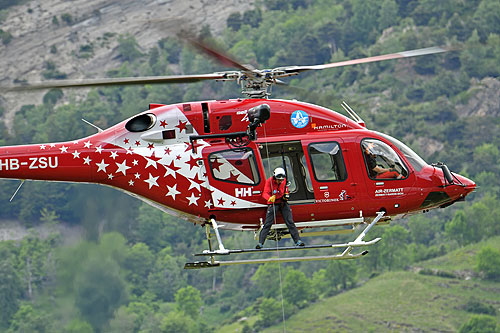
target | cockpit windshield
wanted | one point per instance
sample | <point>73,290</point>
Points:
<point>416,161</point>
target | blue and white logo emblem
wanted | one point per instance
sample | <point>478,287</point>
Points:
<point>299,119</point>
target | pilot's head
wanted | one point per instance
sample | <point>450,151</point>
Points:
<point>369,148</point>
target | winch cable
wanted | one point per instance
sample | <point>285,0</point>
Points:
<point>277,241</point>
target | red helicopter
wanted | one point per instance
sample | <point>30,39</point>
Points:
<point>207,161</point>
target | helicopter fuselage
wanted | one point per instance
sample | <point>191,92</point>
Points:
<point>153,156</point>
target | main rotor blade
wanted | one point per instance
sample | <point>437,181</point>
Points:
<point>222,58</point>
<point>115,81</point>
<point>398,55</point>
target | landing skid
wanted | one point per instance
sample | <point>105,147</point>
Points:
<point>287,248</point>
<point>346,254</point>
<point>208,264</point>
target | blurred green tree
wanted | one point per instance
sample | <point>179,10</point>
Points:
<point>486,158</point>
<point>488,263</point>
<point>32,261</point>
<point>394,247</point>
<point>234,21</point>
<point>138,262</point>
<point>167,275</point>
<point>486,18</point>
<point>267,279</point>
<point>252,17</point>
<point>122,322</point>
<point>270,311</point>
<point>458,228</point>
<point>341,273</point>
<point>78,326</point>
<point>176,322</point>
<point>128,48</point>
<point>388,14</point>
<point>188,300</point>
<point>297,288</point>
<point>100,290</point>
<point>479,324</point>
<point>30,319</point>
<point>11,290</point>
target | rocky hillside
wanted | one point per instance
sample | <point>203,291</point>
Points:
<point>80,36</point>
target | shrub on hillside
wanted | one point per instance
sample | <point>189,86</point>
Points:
<point>475,306</point>
<point>488,263</point>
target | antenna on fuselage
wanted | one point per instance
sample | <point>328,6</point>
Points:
<point>17,190</point>
<point>94,126</point>
<point>352,114</point>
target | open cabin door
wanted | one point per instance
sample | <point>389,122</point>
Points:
<point>290,156</point>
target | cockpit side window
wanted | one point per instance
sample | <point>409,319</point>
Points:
<point>381,160</point>
<point>416,161</point>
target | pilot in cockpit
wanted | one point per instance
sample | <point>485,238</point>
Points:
<point>375,169</point>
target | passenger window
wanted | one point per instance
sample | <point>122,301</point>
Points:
<point>381,160</point>
<point>327,162</point>
<point>235,166</point>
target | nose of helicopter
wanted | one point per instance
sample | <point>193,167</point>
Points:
<point>467,185</point>
<point>458,189</point>
<point>448,188</point>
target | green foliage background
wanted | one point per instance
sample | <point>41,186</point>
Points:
<point>126,274</point>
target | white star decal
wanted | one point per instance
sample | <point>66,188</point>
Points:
<point>87,144</point>
<point>75,142</point>
<point>135,162</point>
<point>76,154</point>
<point>87,160</point>
<point>130,151</point>
<point>137,176</point>
<point>52,145</point>
<point>64,149</point>
<point>194,185</point>
<point>122,168</point>
<point>150,162</point>
<point>42,147</point>
<point>169,172</point>
<point>152,181</point>
<point>98,149</point>
<point>208,204</point>
<point>110,176</point>
<point>172,191</point>
<point>113,155</point>
<point>101,166</point>
<point>193,200</point>
<point>131,183</point>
